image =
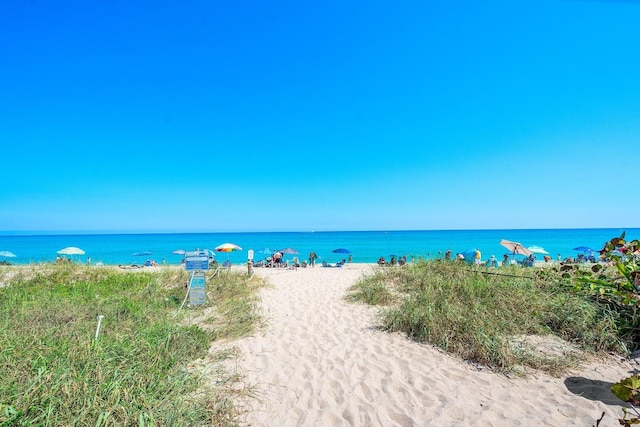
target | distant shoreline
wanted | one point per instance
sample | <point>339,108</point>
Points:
<point>363,246</point>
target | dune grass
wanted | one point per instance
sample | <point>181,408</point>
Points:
<point>137,372</point>
<point>505,319</point>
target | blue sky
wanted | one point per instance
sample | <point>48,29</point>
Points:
<point>320,115</point>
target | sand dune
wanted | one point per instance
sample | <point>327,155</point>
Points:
<point>322,362</point>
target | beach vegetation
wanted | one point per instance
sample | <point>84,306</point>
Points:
<point>509,319</point>
<point>147,363</point>
<point>617,286</point>
<point>372,290</point>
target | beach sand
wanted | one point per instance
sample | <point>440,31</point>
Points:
<point>321,361</point>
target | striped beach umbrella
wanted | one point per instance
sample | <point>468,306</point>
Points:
<point>228,247</point>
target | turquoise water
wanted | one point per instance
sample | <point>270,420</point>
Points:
<point>365,246</point>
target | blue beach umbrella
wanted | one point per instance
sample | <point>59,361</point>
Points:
<point>584,249</point>
<point>6,254</point>
<point>141,253</point>
<point>469,256</point>
<point>341,251</point>
<point>587,251</point>
<point>537,250</point>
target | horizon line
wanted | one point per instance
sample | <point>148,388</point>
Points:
<point>6,233</point>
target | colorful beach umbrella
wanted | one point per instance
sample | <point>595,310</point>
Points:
<point>71,250</point>
<point>228,247</point>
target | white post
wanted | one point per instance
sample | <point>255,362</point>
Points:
<point>98,328</point>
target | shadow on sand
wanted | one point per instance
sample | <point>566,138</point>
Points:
<point>593,390</point>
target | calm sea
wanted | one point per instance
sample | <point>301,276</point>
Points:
<point>365,246</point>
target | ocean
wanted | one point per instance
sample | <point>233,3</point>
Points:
<point>364,246</point>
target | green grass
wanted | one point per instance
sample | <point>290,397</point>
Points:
<point>54,372</point>
<point>491,319</point>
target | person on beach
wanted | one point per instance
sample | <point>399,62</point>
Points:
<point>312,258</point>
<point>530,260</point>
<point>493,262</point>
<point>277,258</point>
<point>505,260</point>
<point>478,257</point>
<point>447,255</point>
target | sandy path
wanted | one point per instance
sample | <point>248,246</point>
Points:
<point>321,362</point>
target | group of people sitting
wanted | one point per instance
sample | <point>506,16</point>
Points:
<point>580,259</point>
<point>277,261</point>
<point>337,264</point>
<point>393,261</point>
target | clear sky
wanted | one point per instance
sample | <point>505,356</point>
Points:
<point>319,115</point>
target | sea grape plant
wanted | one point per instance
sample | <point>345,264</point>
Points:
<point>620,291</point>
